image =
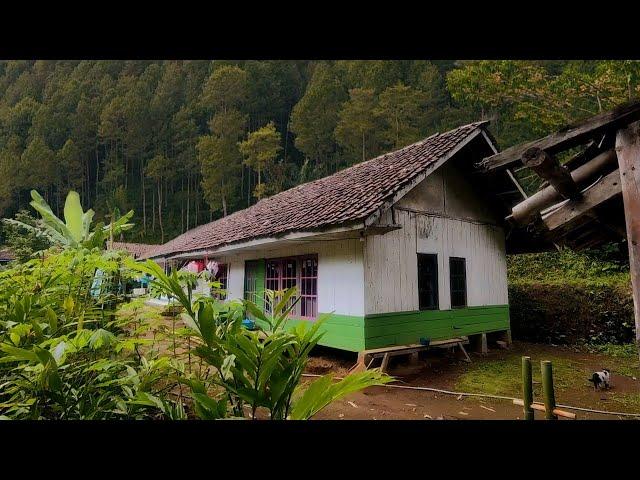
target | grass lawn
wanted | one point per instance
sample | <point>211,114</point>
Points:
<point>501,374</point>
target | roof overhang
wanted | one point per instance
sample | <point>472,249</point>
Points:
<point>353,231</point>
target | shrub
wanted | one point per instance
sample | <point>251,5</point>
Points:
<point>572,312</point>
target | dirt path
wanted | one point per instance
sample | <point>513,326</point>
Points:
<point>446,372</point>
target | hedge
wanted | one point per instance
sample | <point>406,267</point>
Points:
<point>571,312</point>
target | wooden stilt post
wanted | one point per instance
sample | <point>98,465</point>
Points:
<point>547,390</point>
<point>479,343</point>
<point>527,388</point>
<point>628,151</point>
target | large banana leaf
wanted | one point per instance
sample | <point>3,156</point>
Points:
<point>51,222</point>
<point>324,391</point>
<point>74,217</point>
<point>76,228</point>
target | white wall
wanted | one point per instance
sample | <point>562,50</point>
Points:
<point>442,215</point>
<point>340,272</point>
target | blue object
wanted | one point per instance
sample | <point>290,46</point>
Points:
<point>96,285</point>
<point>248,324</point>
<point>425,341</point>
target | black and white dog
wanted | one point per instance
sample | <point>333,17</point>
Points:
<point>601,379</point>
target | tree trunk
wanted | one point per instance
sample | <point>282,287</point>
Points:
<point>628,151</point>
<point>160,211</point>
<point>550,169</point>
<point>153,210</point>
<point>188,197</point>
<point>97,169</point>
<point>144,199</point>
<point>363,154</point>
<point>182,205</point>
<point>224,205</point>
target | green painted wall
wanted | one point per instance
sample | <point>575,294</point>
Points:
<point>345,332</point>
<point>357,333</point>
<point>354,334</point>
<point>400,328</point>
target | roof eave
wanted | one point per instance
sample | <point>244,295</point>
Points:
<point>264,241</point>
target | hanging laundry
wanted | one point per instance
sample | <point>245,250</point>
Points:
<point>213,267</point>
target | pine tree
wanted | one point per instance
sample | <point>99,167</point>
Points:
<point>260,150</point>
<point>358,130</point>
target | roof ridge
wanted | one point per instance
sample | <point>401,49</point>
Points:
<point>382,155</point>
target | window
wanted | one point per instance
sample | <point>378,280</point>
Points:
<point>251,269</point>
<point>458,282</point>
<point>428,281</point>
<point>309,287</point>
<point>221,276</point>
<point>301,272</point>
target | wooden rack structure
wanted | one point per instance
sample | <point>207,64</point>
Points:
<point>589,200</point>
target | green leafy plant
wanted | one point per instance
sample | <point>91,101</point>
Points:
<point>23,243</point>
<point>64,353</point>
<point>75,230</point>
<point>258,370</point>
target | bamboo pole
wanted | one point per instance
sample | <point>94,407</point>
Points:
<point>547,390</point>
<point>527,388</point>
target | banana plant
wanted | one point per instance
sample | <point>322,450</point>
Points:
<point>75,231</point>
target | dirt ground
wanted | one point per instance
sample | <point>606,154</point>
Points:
<point>498,373</point>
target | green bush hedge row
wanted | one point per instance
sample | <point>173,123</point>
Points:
<point>571,312</point>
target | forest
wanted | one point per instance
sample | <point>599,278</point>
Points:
<point>185,142</point>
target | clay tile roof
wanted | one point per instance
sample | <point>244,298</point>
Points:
<point>135,249</point>
<point>346,197</point>
<point>6,255</point>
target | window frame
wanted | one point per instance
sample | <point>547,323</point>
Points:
<point>434,277</point>
<point>224,281</point>
<point>457,276</point>
<point>278,266</point>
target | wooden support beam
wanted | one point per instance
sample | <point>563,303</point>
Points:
<point>479,343</point>
<point>549,168</point>
<point>607,188</point>
<point>525,211</point>
<point>628,151</point>
<point>568,137</point>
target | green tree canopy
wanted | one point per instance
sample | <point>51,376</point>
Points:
<point>260,150</point>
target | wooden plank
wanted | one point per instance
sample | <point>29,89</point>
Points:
<point>385,362</point>
<point>569,137</point>
<point>403,349</point>
<point>628,151</point>
<point>607,188</point>
<point>540,407</point>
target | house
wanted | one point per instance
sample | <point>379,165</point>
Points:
<point>6,256</point>
<point>135,249</point>
<point>401,248</point>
